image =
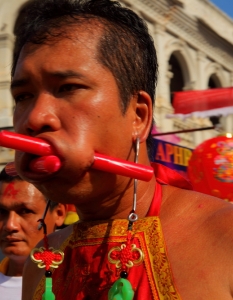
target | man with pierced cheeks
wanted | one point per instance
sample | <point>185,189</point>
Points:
<point>83,79</point>
<point>21,206</point>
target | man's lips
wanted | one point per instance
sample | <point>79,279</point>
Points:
<point>11,239</point>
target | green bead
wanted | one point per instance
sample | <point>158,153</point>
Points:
<point>121,290</point>
<point>48,294</point>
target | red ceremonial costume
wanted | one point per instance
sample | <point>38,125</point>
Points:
<point>87,274</point>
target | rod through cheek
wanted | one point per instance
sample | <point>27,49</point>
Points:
<point>48,162</point>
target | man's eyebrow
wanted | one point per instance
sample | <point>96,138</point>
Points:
<point>13,206</point>
<point>60,74</point>
<point>10,207</point>
<point>19,83</point>
<point>67,73</point>
<point>2,206</point>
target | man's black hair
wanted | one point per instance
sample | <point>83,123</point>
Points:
<point>4,177</point>
<point>125,47</point>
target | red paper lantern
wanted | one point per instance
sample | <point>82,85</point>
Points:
<point>210,168</point>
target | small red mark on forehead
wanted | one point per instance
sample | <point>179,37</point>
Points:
<point>10,190</point>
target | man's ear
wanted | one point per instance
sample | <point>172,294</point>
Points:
<point>143,116</point>
<point>59,213</point>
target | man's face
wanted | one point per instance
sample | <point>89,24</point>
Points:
<point>64,95</point>
<point>21,206</point>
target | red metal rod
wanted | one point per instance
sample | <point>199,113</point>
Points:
<point>49,163</point>
<point>45,164</point>
<point>25,143</point>
<point>122,167</point>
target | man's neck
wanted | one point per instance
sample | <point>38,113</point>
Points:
<point>15,267</point>
<point>119,208</point>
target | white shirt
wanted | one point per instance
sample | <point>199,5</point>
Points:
<point>10,287</point>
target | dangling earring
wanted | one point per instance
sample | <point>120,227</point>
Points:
<point>128,255</point>
<point>133,216</point>
<point>47,257</point>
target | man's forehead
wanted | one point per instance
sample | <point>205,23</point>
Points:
<point>9,189</point>
<point>13,197</point>
<point>87,33</point>
<point>16,189</point>
<point>77,38</point>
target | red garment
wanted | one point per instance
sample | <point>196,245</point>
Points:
<point>167,176</point>
<point>87,274</point>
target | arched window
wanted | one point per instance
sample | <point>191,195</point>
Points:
<point>214,82</point>
<point>177,80</point>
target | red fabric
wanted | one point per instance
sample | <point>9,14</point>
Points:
<point>189,101</point>
<point>165,175</point>
<point>71,207</point>
<point>79,278</point>
<point>86,272</point>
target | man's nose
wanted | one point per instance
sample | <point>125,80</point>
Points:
<point>11,223</point>
<point>42,115</point>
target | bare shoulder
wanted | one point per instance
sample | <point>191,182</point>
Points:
<point>32,274</point>
<point>192,212</point>
<point>58,237</point>
<point>198,233</point>
<point>193,206</point>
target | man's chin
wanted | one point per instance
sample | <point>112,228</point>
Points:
<point>15,254</point>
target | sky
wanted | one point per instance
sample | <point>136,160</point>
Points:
<point>224,5</point>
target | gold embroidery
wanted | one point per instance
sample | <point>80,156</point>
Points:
<point>147,231</point>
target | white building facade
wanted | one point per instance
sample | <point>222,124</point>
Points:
<point>194,42</point>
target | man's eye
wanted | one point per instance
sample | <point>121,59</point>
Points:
<point>69,87</point>
<point>22,97</point>
<point>2,212</point>
<point>25,211</point>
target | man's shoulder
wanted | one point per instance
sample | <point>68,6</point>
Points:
<point>198,233</point>
<point>196,215</point>
<point>190,199</point>
<point>57,238</point>
<point>193,209</point>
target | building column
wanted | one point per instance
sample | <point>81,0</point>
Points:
<point>201,81</point>
<point>6,102</point>
<point>163,106</point>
